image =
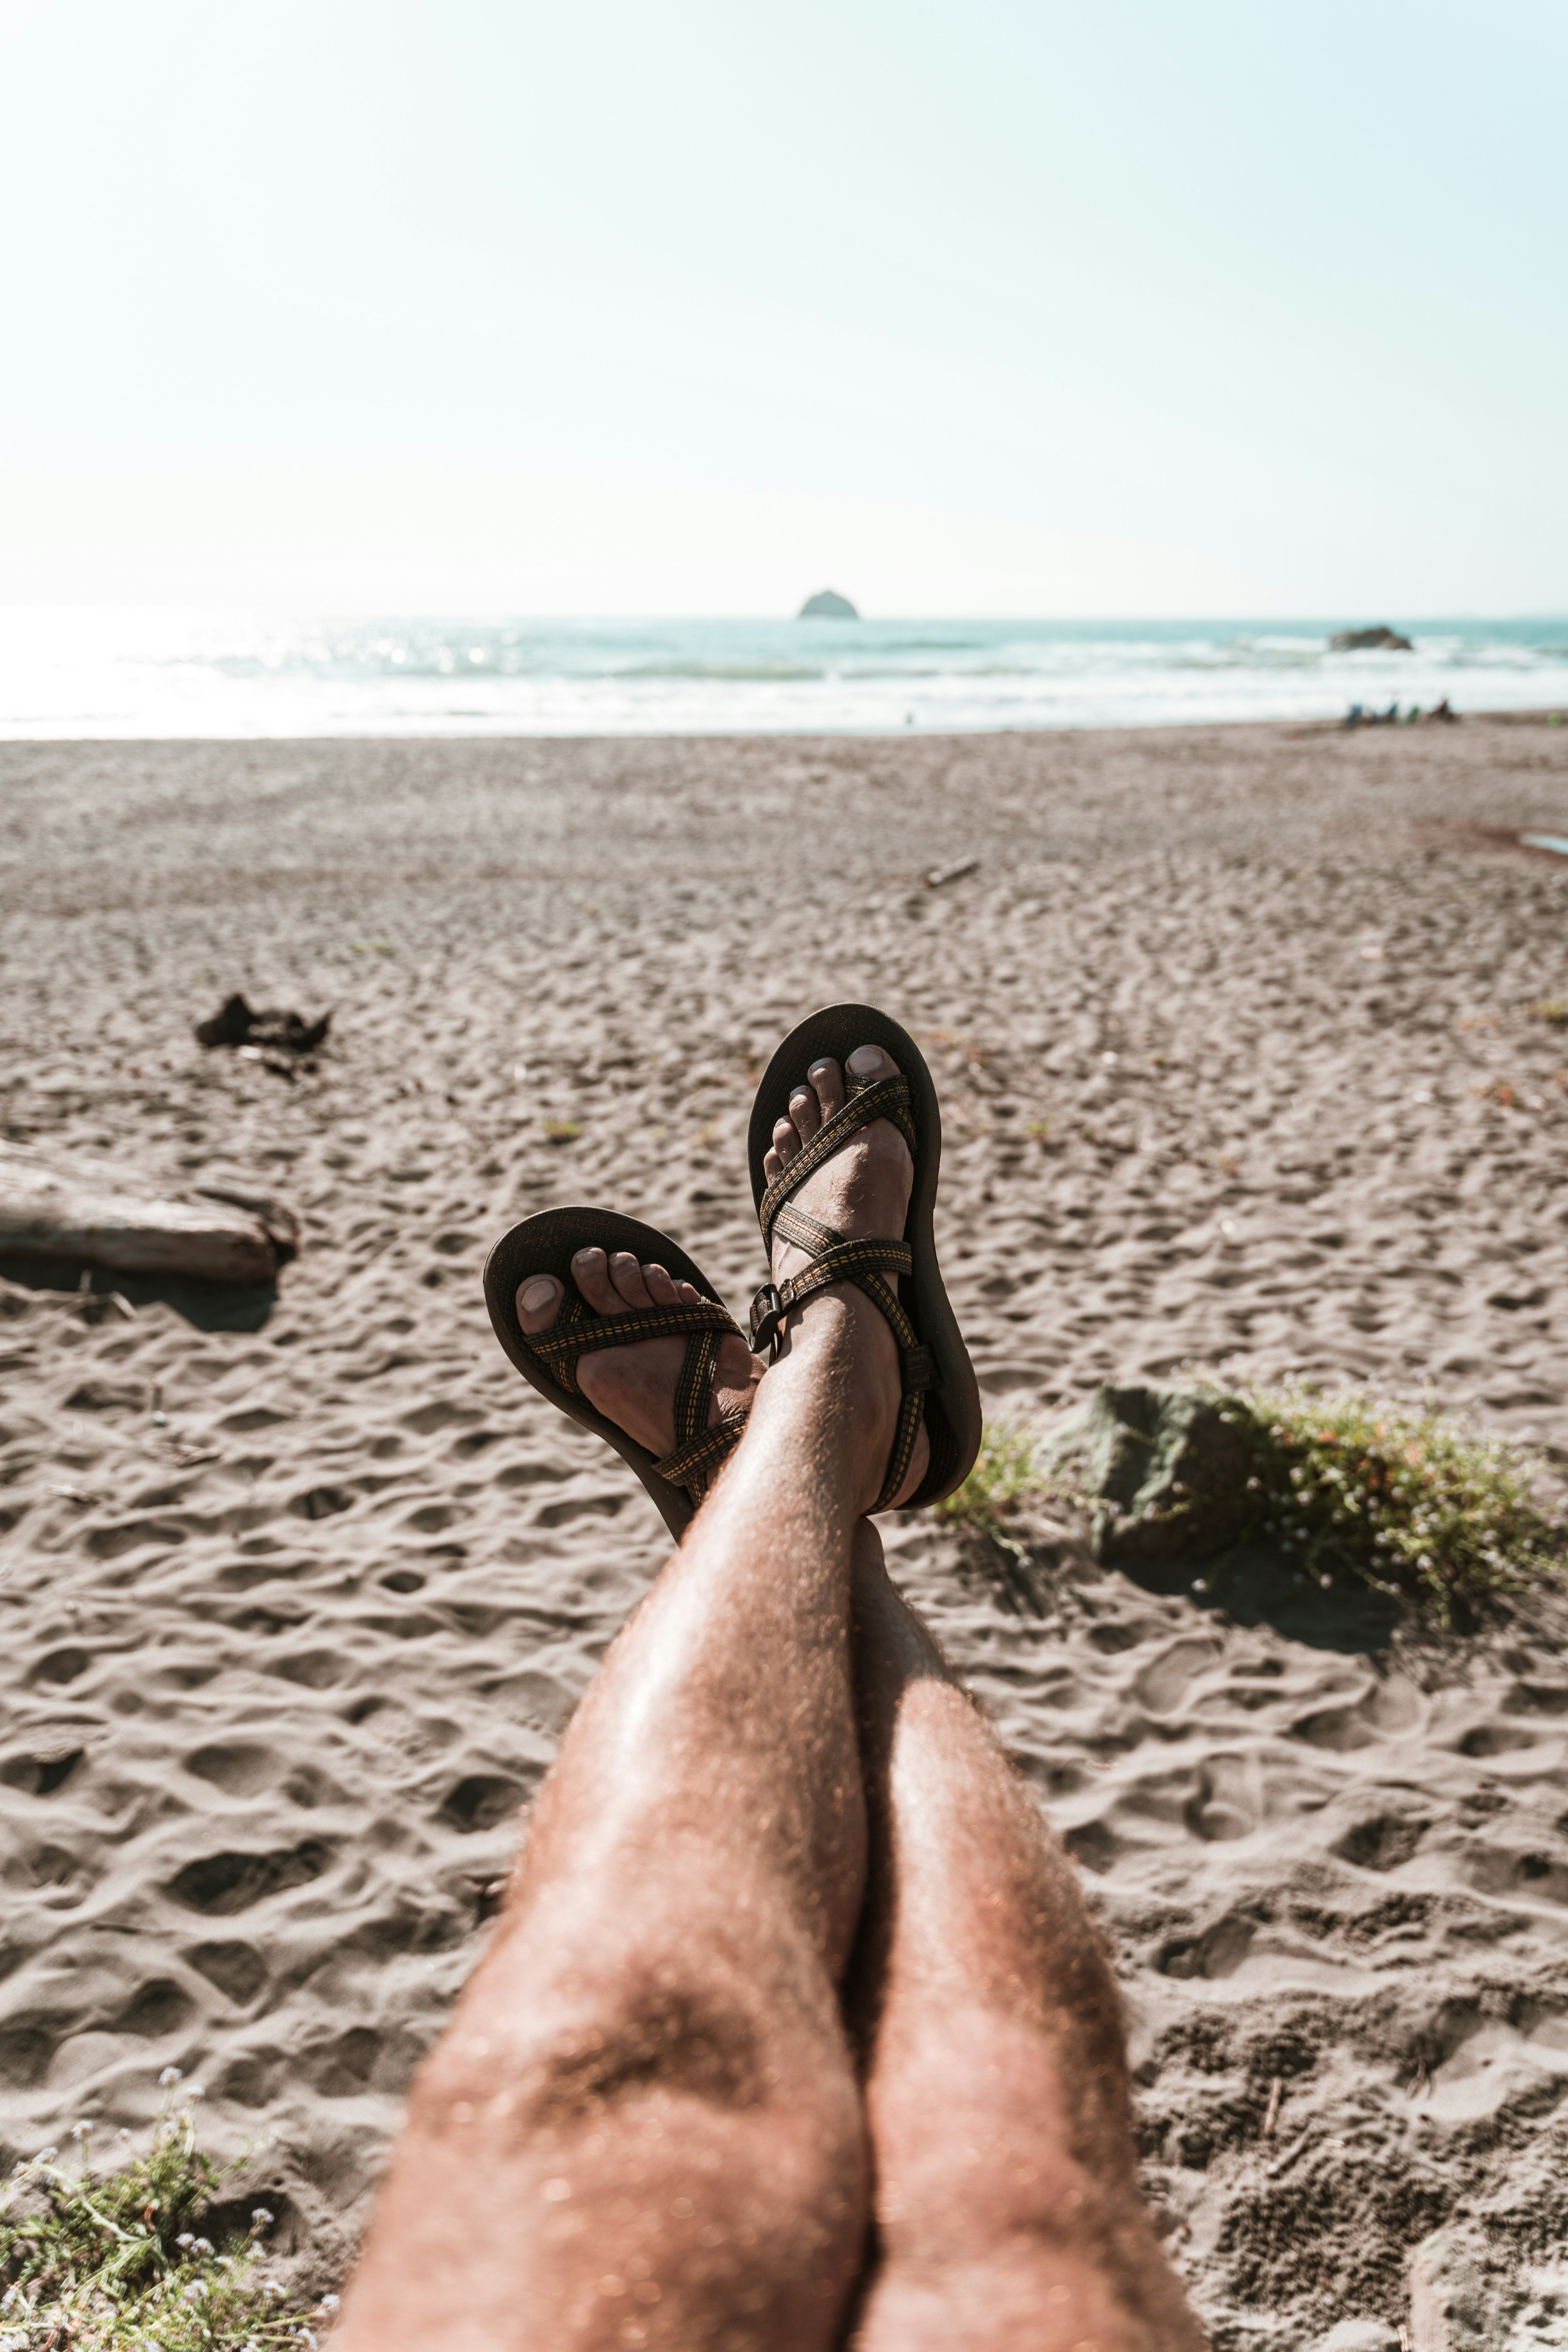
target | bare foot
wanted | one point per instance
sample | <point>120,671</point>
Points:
<point>862,1191</point>
<point>635,1386</point>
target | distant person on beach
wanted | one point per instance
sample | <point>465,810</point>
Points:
<point>796,2033</point>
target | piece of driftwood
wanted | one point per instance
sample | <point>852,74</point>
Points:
<point>1448,2310</point>
<point>86,1209</point>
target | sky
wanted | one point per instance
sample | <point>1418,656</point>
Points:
<point>657,307</point>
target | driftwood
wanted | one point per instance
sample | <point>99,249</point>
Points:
<point>1448,2310</point>
<point>87,1210</point>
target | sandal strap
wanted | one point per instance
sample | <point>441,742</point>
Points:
<point>577,1332</point>
<point>692,1464</point>
<point>904,1437</point>
<point>861,1262</point>
<point>877,1098</point>
<point>699,1448</point>
<point>866,1264</point>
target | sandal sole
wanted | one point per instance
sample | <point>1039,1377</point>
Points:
<point>546,1243</point>
<point>952,1408</point>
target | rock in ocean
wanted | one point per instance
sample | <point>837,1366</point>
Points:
<point>1369,641</point>
<point>829,605</point>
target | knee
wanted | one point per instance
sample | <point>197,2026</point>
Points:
<point>594,2041</point>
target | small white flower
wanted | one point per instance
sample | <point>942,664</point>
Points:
<point>196,2091</point>
<point>80,2131</point>
<point>185,2239</point>
<point>204,2246</point>
<point>331,2302</point>
<point>168,2078</point>
<point>261,2219</point>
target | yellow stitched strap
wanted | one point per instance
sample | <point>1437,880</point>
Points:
<point>883,1098</point>
<point>903,1448</point>
<point>857,1262</point>
<point>793,1225</point>
<point>692,1465</point>
<point>848,1262</point>
<point>567,1338</point>
<point>694,1389</point>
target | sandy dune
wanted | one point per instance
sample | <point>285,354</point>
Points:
<point>296,1592</point>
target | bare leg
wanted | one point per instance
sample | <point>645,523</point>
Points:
<point>643,2127</point>
<point>1007,2208</point>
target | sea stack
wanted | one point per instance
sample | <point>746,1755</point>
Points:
<point>1369,641</point>
<point>829,605</point>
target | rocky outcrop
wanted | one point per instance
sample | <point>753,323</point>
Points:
<point>1369,641</point>
<point>1163,1470</point>
<point>829,605</point>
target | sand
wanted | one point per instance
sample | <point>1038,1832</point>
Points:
<point>297,1591</point>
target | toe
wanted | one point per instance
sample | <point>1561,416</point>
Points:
<point>786,1142</point>
<point>537,1300</point>
<point>628,1277</point>
<point>689,1294</point>
<point>827,1081</point>
<point>591,1272</point>
<point>870,1062</point>
<point>772,1166</point>
<point>803,1111</point>
<point>662,1287</point>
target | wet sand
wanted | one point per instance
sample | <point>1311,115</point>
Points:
<point>297,1591</point>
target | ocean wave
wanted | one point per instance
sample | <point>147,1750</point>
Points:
<point>149,673</point>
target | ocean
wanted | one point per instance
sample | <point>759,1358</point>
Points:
<point>147,672</point>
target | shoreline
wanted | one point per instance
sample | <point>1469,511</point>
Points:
<point>1549,713</point>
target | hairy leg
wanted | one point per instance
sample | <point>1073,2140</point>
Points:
<point>1008,2216</point>
<point>644,2126</point>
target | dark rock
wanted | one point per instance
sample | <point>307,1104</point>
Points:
<point>1369,641</point>
<point>237,1025</point>
<point>829,606</point>
<point>1165,1471</point>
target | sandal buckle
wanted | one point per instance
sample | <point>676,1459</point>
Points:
<point>767,1313</point>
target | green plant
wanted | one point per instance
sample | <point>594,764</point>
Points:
<point>1404,1501</point>
<point>115,2261</point>
<point>1554,1010</point>
<point>1006,1468</point>
<point>1352,1486</point>
<point>561,1130</point>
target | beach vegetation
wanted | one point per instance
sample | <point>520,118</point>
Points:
<point>1350,1488</point>
<point>1008,1469</point>
<point>1552,1009</point>
<point>1354,1488</point>
<point>117,2262</point>
<point>561,1130</point>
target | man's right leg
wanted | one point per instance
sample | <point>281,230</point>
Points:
<point>1008,2213</point>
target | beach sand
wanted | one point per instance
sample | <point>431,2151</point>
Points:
<point>297,1591</point>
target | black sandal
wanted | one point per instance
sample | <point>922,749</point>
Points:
<point>938,1377</point>
<point>548,1360</point>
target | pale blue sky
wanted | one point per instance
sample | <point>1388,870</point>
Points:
<point>622,307</point>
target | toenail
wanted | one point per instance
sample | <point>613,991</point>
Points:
<point>818,1069</point>
<point>539,1292</point>
<point>864,1059</point>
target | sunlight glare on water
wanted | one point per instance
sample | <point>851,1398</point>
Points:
<point>145,672</point>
